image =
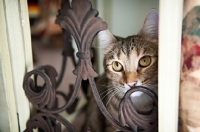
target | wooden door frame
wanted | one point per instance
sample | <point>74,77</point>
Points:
<point>15,61</point>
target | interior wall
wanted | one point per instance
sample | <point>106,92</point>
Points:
<point>123,17</point>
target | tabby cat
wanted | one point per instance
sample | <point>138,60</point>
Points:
<point>128,62</point>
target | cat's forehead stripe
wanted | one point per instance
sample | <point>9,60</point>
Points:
<point>138,51</point>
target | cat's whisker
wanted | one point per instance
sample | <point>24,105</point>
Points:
<point>104,87</point>
<point>110,90</point>
<point>151,86</point>
<point>107,94</point>
<point>112,96</point>
<point>107,90</point>
<point>147,83</point>
<point>114,83</point>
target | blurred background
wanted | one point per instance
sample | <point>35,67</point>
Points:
<point>123,17</point>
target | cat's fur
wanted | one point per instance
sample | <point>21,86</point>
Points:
<point>114,85</point>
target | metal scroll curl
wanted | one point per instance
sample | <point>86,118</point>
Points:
<point>135,119</point>
<point>41,96</point>
<point>44,98</point>
<point>43,124</point>
<point>47,123</point>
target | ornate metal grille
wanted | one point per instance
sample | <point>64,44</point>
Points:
<point>83,23</point>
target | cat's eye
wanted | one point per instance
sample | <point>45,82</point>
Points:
<point>117,66</point>
<point>145,61</point>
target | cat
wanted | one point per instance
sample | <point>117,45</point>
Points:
<point>128,62</point>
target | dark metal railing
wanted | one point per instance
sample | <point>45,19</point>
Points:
<point>83,23</point>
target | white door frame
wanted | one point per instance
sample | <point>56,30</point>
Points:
<point>15,61</point>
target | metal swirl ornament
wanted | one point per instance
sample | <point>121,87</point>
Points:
<point>138,120</point>
<point>48,123</point>
<point>41,96</point>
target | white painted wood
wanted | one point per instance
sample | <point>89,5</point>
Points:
<point>16,50</point>
<point>26,33</point>
<point>169,63</point>
<point>8,113</point>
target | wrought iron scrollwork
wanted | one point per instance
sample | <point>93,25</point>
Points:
<point>136,119</point>
<point>47,123</point>
<point>83,23</point>
<point>41,96</point>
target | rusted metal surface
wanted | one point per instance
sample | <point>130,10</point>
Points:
<point>83,23</point>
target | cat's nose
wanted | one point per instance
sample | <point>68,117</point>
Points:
<point>132,84</point>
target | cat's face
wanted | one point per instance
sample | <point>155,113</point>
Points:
<point>132,61</point>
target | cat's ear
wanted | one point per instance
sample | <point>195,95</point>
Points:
<point>106,40</point>
<point>150,26</point>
